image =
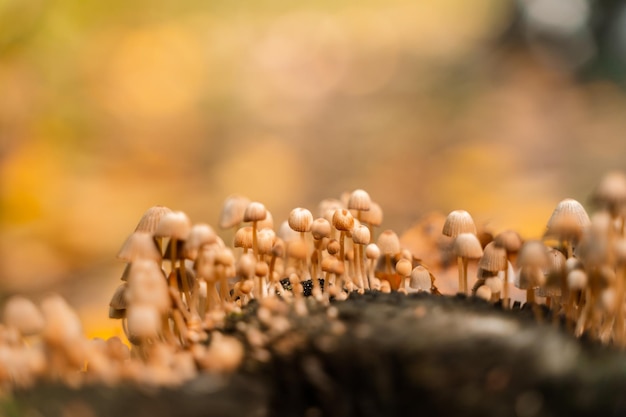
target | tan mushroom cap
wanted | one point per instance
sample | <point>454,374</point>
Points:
<point>510,240</point>
<point>569,218</point>
<point>556,274</point>
<point>420,279</point>
<point>361,235</point>
<point>327,207</point>
<point>343,220</point>
<point>320,228</point>
<point>611,192</point>
<point>139,245</point>
<point>201,234</point>
<point>359,200</point>
<point>175,225</point>
<point>372,251</point>
<point>233,210</point>
<point>457,222</point>
<point>150,219</point>
<point>484,292</point>
<point>388,243</point>
<point>300,220</point>
<point>534,254</point>
<point>266,238</point>
<point>373,216</point>
<point>467,245</point>
<point>404,267</point>
<point>243,237</point>
<point>255,212</point>
<point>529,277</point>
<point>493,259</point>
<point>23,315</point>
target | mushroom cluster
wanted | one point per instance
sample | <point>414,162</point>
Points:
<point>182,283</point>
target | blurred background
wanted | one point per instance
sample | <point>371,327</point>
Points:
<point>499,107</point>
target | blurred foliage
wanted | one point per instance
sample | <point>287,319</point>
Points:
<point>107,108</point>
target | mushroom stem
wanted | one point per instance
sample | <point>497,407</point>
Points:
<point>388,264</point>
<point>461,281</point>
<point>255,243</point>
<point>618,324</point>
<point>465,262</point>
<point>506,301</point>
<point>363,284</point>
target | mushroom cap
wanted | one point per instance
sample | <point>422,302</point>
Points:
<point>533,253</point>
<point>118,300</point>
<point>495,284</point>
<point>359,200</point>
<point>343,220</point>
<point>568,220</point>
<point>483,292</point>
<point>175,225</point>
<point>200,234</point>
<point>493,259</point>
<point>286,233</point>
<point>404,267</point>
<point>265,241</point>
<point>139,245</point>
<point>373,216</point>
<point>233,210</point>
<point>372,251</point>
<point>243,237</point>
<point>320,228</point>
<point>577,280</point>
<point>23,315</point>
<point>63,327</point>
<point>326,208</point>
<point>529,277</point>
<point>332,265</point>
<point>388,242</point>
<point>420,279</point>
<point>246,265</point>
<point>467,245</point>
<point>297,249</point>
<point>255,212</point>
<point>361,235</point>
<point>610,193</point>
<point>457,222</point>
<point>150,219</point>
<point>300,220</point>
<point>556,274</point>
<point>510,240</point>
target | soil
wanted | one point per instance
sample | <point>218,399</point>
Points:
<point>379,355</point>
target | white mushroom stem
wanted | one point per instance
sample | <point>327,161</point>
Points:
<point>506,301</point>
<point>255,242</point>
<point>461,279</point>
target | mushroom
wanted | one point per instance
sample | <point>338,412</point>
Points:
<point>344,222</point>
<point>466,246</point>
<point>493,260</point>
<point>458,222</point>
<point>389,245</point>
<point>255,212</point>
<point>420,279</point>
<point>567,223</point>
<point>532,261</point>
<point>610,195</point>
<point>511,241</point>
<point>360,202</point>
<point>233,210</point>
